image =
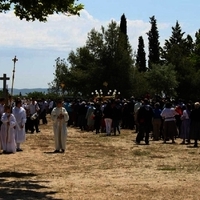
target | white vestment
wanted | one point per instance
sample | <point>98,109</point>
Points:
<point>8,133</point>
<point>20,116</point>
<point>60,127</point>
<point>1,113</point>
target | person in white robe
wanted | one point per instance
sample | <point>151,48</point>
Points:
<point>2,102</point>
<point>8,131</point>
<point>20,114</point>
<point>60,116</point>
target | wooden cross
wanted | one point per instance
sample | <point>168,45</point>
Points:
<point>4,78</point>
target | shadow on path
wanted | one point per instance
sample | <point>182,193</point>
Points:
<point>16,185</point>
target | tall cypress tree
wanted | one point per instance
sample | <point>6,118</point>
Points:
<point>154,44</point>
<point>124,57</point>
<point>141,56</point>
<point>123,24</point>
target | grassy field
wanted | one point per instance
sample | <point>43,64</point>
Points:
<point>100,167</point>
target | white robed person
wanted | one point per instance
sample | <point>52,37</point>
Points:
<point>8,131</point>
<point>59,116</point>
<point>20,115</point>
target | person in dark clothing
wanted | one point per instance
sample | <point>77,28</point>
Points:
<point>131,122</point>
<point>81,115</point>
<point>195,124</point>
<point>117,116</point>
<point>157,120</point>
<point>125,116</point>
<point>108,115</point>
<point>97,118</point>
<point>144,119</point>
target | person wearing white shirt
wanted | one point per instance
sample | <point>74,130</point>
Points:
<point>34,120</point>
<point>20,116</point>
<point>168,114</point>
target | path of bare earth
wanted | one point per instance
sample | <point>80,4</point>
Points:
<point>99,167</point>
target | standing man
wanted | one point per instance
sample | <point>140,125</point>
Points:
<point>34,122</point>
<point>20,115</point>
<point>144,119</point>
<point>60,116</point>
<point>43,110</point>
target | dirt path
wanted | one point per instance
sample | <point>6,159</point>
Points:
<point>99,167</point>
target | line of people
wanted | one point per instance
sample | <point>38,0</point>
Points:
<point>19,117</point>
<point>160,118</point>
<point>26,114</point>
<point>163,120</point>
<point>169,122</point>
<point>98,116</point>
<point>12,129</point>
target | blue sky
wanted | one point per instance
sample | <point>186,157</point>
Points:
<point>37,44</point>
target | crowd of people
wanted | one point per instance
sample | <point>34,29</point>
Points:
<point>18,118</point>
<point>159,119</point>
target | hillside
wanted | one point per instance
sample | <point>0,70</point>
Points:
<point>24,91</point>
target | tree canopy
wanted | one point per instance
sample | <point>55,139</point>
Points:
<point>106,57</point>
<point>174,68</point>
<point>32,10</point>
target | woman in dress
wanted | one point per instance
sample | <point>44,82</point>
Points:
<point>169,126</point>
<point>185,125</point>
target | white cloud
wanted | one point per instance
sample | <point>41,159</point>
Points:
<point>60,32</point>
<point>38,44</point>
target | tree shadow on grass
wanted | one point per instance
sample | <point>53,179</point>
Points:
<point>22,188</point>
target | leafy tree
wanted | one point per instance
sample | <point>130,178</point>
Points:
<point>82,71</point>
<point>173,49</point>
<point>141,56</point>
<point>1,93</point>
<point>154,44</point>
<point>194,92</point>
<point>140,85</point>
<point>32,10</point>
<point>36,95</point>
<point>195,57</point>
<point>177,51</point>
<point>60,84</point>
<point>105,58</point>
<point>162,78</point>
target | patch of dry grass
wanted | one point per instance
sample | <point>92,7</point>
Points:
<point>99,167</point>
